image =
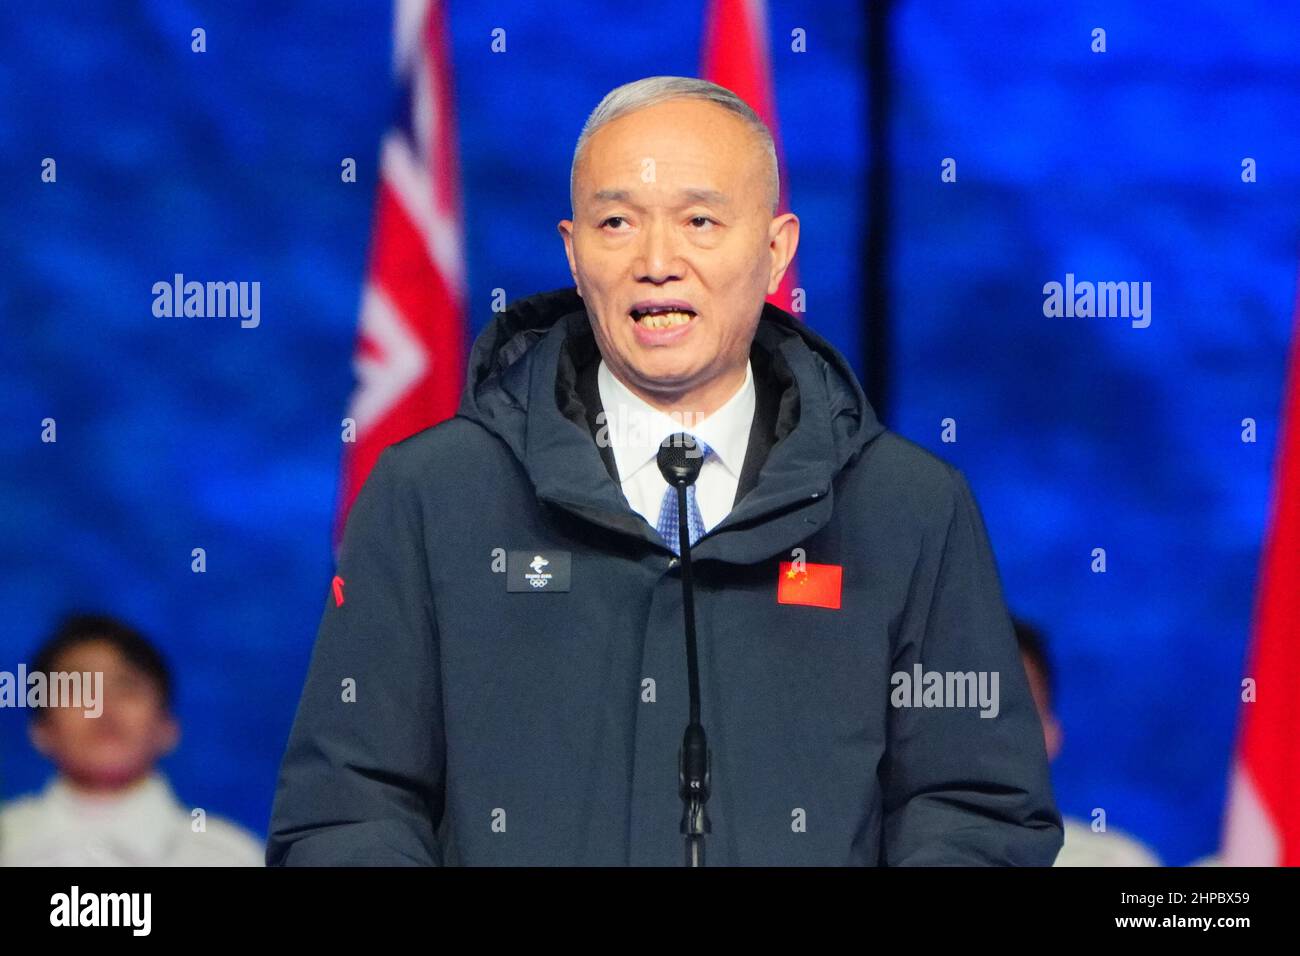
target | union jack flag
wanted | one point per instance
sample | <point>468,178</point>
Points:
<point>409,359</point>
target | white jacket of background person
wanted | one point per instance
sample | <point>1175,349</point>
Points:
<point>143,826</point>
<point>1087,847</point>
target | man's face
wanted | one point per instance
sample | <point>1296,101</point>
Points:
<point>672,212</point>
<point>124,742</point>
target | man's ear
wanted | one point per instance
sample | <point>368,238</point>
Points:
<point>39,734</point>
<point>169,735</point>
<point>1053,736</point>
<point>566,233</point>
<point>783,240</point>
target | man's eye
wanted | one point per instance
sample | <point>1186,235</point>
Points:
<point>615,221</point>
<point>701,221</point>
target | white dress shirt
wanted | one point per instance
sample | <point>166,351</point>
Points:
<point>144,825</point>
<point>636,429</point>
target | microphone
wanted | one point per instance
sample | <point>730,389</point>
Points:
<point>680,460</point>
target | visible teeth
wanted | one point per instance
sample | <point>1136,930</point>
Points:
<point>662,320</point>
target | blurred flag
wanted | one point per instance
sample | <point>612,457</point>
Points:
<point>1263,823</point>
<point>735,56</point>
<point>409,358</point>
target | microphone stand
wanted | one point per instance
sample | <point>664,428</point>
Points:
<point>694,761</point>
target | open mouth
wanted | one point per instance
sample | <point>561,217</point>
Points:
<point>661,317</point>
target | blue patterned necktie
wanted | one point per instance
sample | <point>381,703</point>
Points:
<point>668,525</point>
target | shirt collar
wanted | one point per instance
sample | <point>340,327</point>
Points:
<point>635,429</point>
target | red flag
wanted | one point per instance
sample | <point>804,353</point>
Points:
<point>410,348</point>
<point>1263,822</point>
<point>814,585</point>
<point>736,56</point>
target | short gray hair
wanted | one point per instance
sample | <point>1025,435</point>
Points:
<point>652,90</point>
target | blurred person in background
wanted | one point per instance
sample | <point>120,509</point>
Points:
<point>1084,846</point>
<point>108,804</point>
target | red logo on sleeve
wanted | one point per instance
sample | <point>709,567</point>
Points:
<point>337,585</point>
<point>814,585</point>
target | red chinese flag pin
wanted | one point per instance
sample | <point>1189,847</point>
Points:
<point>337,585</point>
<point>816,585</point>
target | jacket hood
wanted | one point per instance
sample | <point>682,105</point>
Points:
<point>511,391</point>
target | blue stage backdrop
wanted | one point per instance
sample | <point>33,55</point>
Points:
<point>1076,433</point>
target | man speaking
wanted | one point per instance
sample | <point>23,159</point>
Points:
<point>500,675</point>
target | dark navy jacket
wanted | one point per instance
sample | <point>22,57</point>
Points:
<point>449,719</point>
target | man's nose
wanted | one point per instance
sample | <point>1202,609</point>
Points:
<point>659,259</point>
